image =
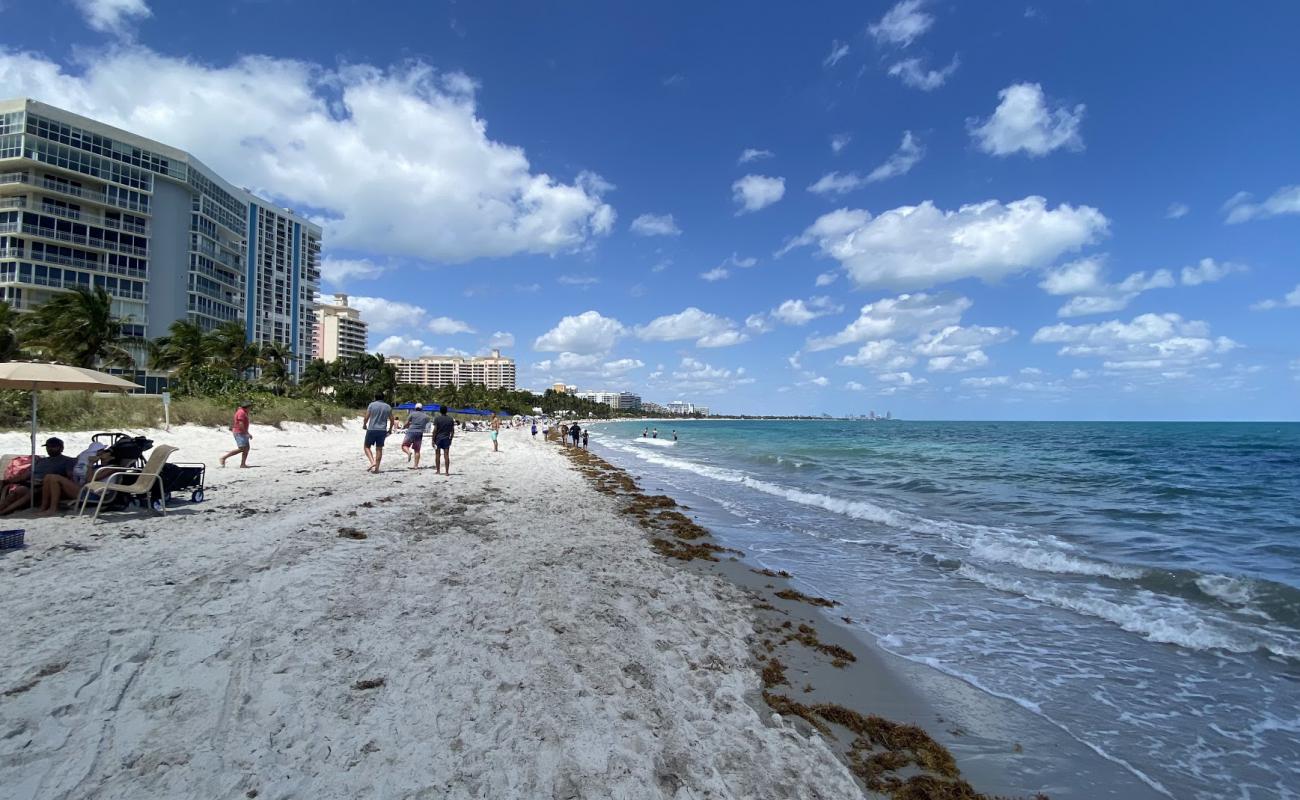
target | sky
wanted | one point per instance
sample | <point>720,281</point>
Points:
<point>1042,210</point>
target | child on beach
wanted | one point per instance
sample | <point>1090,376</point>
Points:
<point>584,438</point>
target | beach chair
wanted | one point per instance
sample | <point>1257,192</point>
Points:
<point>130,481</point>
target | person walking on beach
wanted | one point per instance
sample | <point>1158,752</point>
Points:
<point>584,439</point>
<point>444,430</point>
<point>575,432</point>
<point>414,439</point>
<point>534,429</point>
<point>564,434</point>
<point>496,430</point>
<point>378,424</point>
<point>243,439</point>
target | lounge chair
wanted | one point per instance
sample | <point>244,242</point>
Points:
<point>129,481</point>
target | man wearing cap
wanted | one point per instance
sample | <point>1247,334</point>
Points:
<point>415,425</point>
<point>55,463</point>
<point>243,439</point>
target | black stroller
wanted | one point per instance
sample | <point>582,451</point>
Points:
<point>129,451</point>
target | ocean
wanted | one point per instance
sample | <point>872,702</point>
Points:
<point>1137,585</point>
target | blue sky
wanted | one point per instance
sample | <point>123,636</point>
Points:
<point>1085,210</point>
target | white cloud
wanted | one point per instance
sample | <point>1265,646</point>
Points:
<point>407,143</point>
<point>837,183</point>
<point>914,247</point>
<point>838,51</point>
<point>826,279</point>
<point>985,383</point>
<point>723,270</point>
<point>655,225</point>
<point>1023,122</point>
<point>1157,342</point>
<point>904,315</point>
<point>337,271</point>
<point>384,316</point>
<point>840,141</point>
<point>883,354</point>
<point>446,326</point>
<point>578,280</point>
<point>404,346</point>
<point>573,365</point>
<point>585,334</point>
<point>501,340</point>
<point>662,265</point>
<point>900,378</point>
<point>754,192</point>
<point>708,330</point>
<point>912,73</point>
<point>694,375</point>
<point>908,154</point>
<point>1030,371</point>
<point>1207,270</point>
<point>972,360</point>
<point>1285,200</point>
<point>854,386</point>
<point>621,366</point>
<point>112,16</point>
<point>1291,300</point>
<point>959,340</point>
<point>753,154</point>
<point>901,162</point>
<point>1085,279</point>
<point>1177,211</point>
<point>715,274</point>
<point>902,24</point>
<point>800,312</point>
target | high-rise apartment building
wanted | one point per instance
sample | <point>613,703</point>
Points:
<point>619,401</point>
<point>494,371</point>
<point>340,331</point>
<point>84,204</point>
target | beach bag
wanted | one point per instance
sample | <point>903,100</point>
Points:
<point>19,469</point>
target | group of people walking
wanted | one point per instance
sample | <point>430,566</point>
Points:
<point>380,423</point>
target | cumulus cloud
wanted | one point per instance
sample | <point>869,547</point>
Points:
<point>900,378</point>
<point>1157,342</point>
<point>1023,122</point>
<point>907,314</point>
<point>838,51</point>
<point>753,154</point>
<point>915,247</point>
<point>801,312</point>
<point>901,162</point>
<point>826,279</point>
<point>573,365</point>
<point>986,383</point>
<point>655,225</point>
<point>112,16</point>
<point>854,386</point>
<point>406,142</point>
<point>881,354</point>
<point>723,270</point>
<point>708,330</point>
<point>912,73</point>
<point>337,271</point>
<point>585,334</point>
<point>583,281</point>
<point>754,192</point>
<point>693,375</point>
<point>1240,207</point>
<point>407,347</point>
<point>840,141</point>
<point>388,315</point>
<point>1291,300</point>
<point>958,349</point>
<point>902,24</point>
<point>501,340</point>
<point>715,274</point>
<point>1207,270</point>
<point>1177,211</point>
<point>1092,294</point>
<point>446,326</point>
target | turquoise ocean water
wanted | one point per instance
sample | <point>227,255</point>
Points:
<point>1135,584</point>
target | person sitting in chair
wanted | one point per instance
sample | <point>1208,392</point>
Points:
<point>55,465</point>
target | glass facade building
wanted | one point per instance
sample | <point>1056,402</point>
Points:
<point>83,204</point>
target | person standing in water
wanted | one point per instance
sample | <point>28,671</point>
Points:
<point>585,440</point>
<point>654,434</point>
<point>575,431</point>
<point>674,434</point>
<point>645,433</point>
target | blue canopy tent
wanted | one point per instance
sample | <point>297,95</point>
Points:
<point>473,411</point>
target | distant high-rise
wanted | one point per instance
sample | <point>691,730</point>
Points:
<point>494,371</point>
<point>87,205</point>
<point>340,331</point>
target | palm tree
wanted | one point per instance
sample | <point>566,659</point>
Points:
<point>182,350</point>
<point>10,350</point>
<point>273,362</point>
<point>228,345</point>
<point>79,328</point>
<point>317,376</point>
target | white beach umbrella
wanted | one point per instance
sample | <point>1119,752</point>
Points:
<point>34,376</point>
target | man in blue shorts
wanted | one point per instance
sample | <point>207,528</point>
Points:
<point>444,430</point>
<point>378,423</point>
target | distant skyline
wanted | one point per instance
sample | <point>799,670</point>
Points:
<point>949,211</point>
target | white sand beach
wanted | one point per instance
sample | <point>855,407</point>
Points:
<point>519,637</point>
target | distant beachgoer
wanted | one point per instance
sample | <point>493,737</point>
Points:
<point>654,434</point>
<point>585,440</point>
<point>414,439</point>
<point>496,430</point>
<point>444,430</point>
<point>564,434</point>
<point>575,433</point>
<point>378,424</point>
<point>243,439</point>
<point>534,429</point>
<point>674,434</point>
<point>645,432</point>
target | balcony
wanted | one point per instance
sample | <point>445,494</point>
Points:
<point>92,219</point>
<point>73,238</point>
